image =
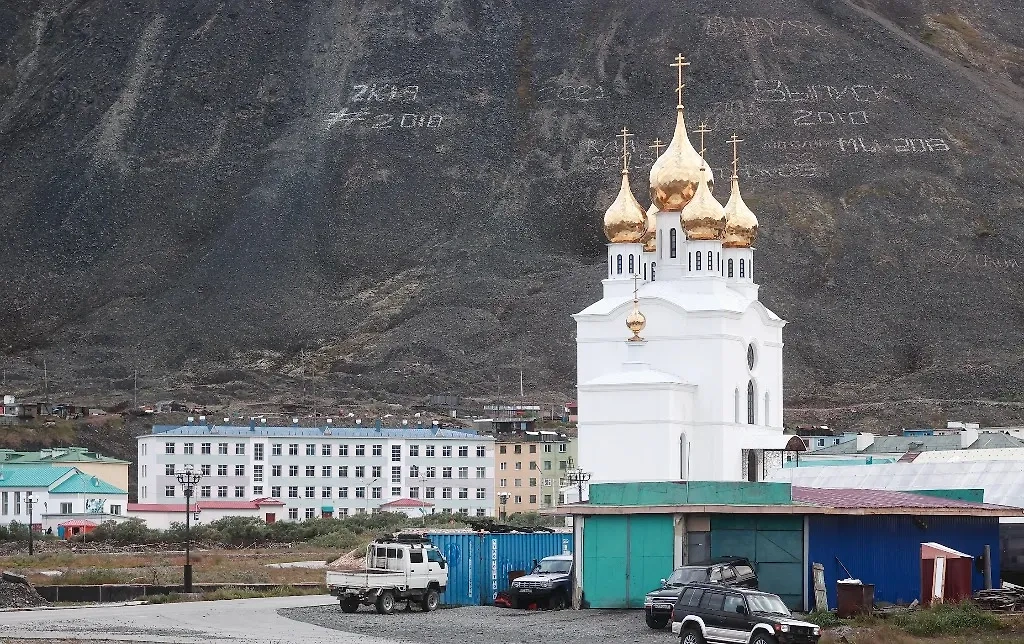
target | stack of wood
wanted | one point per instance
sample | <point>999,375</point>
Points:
<point>1008,599</point>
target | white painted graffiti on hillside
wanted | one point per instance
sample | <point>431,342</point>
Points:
<point>776,91</point>
<point>378,107</point>
<point>757,27</point>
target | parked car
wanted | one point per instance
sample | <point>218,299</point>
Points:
<point>727,571</point>
<point>714,614</point>
<point>401,568</point>
<point>550,584</point>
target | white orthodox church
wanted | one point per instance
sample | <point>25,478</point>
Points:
<point>679,364</point>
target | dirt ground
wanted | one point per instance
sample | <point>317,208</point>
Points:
<point>160,567</point>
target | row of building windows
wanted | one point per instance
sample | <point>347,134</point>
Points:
<point>518,499</point>
<point>310,492</point>
<point>311,513</point>
<point>13,501</point>
<point>326,449</point>
<point>327,471</point>
<point>532,482</point>
<point>752,405</point>
<point>562,465</point>
<point>617,267</point>
<point>548,448</point>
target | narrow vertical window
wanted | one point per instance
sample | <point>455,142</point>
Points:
<point>618,264</point>
<point>631,267</point>
<point>711,264</point>
<point>689,261</point>
<point>766,413</point>
<point>736,405</point>
<point>718,261</point>
<point>653,266</point>
<point>750,400</point>
<point>699,254</point>
<point>611,266</point>
<point>645,271</point>
<point>729,264</point>
<point>672,243</point>
<point>741,268</point>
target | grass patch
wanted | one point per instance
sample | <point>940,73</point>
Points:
<point>236,593</point>
<point>823,618</point>
<point>947,619</point>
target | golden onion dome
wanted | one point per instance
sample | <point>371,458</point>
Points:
<point>676,173</point>
<point>703,217</point>
<point>651,236</point>
<point>636,322</point>
<point>625,221</point>
<point>740,222</point>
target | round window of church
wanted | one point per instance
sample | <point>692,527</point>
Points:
<point>750,356</point>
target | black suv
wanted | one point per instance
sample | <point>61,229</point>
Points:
<point>727,571</point>
<point>711,613</point>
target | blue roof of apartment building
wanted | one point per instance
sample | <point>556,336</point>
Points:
<point>32,475</point>
<point>422,433</point>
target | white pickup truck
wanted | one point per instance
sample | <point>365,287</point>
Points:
<point>403,568</point>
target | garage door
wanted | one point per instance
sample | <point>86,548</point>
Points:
<point>774,544</point>
<point>625,557</point>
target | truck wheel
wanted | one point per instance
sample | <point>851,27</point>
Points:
<point>430,600</point>
<point>657,622</point>
<point>691,636</point>
<point>557,601</point>
<point>349,605</point>
<point>386,602</point>
<point>763,638</point>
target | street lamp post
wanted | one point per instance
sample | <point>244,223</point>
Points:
<point>503,498</point>
<point>29,501</point>
<point>188,481</point>
<point>579,477</point>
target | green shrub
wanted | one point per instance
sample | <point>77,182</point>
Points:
<point>823,618</point>
<point>946,619</point>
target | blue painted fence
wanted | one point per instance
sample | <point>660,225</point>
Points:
<point>479,563</point>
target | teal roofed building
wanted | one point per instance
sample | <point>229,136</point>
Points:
<point>112,470</point>
<point>48,496</point>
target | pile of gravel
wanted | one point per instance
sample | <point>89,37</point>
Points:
<point>16,592</point>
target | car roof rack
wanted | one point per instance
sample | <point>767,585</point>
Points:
<point>408,538</point>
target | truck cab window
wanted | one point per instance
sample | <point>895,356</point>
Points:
<point>415,556</point>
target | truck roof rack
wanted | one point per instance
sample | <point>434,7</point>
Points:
<point>403,537</point>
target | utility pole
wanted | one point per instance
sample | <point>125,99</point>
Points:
<point>29,501</point>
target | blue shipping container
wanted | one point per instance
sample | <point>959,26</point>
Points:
<point>479,564</point>
<point>886,550</point>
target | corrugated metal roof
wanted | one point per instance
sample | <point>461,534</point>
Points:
<point>903,444</point>
<point>1003,481</point>
<point>861,498</point>
<point>407,503</point>
<point>425,433</point>
<point>32,475</point>
<point>80,483</point>
<point>79,523</point>
<point>962,455</point>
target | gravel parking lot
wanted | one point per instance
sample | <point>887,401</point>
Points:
<point>487,625</point>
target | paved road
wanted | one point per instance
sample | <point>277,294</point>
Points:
<point>241,620</point>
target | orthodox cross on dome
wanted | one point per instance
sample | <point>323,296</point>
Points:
<point>625,149</point>
<point>679,64</point>
<point>702,130</point>
<point>658,145</point>
<point>735,155</point>
<point>636,287</point>
<point>636,321</point>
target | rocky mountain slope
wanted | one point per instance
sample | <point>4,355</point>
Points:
<point>378,199</point>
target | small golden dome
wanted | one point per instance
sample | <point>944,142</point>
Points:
<point>676,173</point>
<point>625,221</point>
<point>740,222</point>
<point>636,322</point>
<point>703,217</point>
<point>651,236</point>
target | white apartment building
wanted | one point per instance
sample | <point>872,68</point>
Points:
<point>321,471</point>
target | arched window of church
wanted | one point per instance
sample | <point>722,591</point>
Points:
<point>618,264</point>
<point>689,261</point>
<point>611,266</point>
<point>672,243</point>
<point>767,415</point>
<point>718,261</point>
<point>730,267</point>
<point>736,405</point>
<point>631,267</point>
<point>711,264</point>
<point>741,268</point>
<point>750,401</point>
<point>653,266</point>
<point>645,271</point>
<point>698,260</point>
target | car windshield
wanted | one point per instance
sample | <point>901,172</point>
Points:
<point>553,565</point>
<point>767,604</point>
<point>689,575</point>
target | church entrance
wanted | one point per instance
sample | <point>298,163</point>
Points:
<point>752,466</point>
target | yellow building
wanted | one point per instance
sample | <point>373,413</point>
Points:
<point>530,468</point>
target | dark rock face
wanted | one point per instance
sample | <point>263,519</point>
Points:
<point>409,194</point>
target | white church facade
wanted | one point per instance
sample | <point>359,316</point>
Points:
<point>679,364</point>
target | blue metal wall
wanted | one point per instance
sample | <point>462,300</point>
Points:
<point>479,563</point>
<point>886,550</point>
